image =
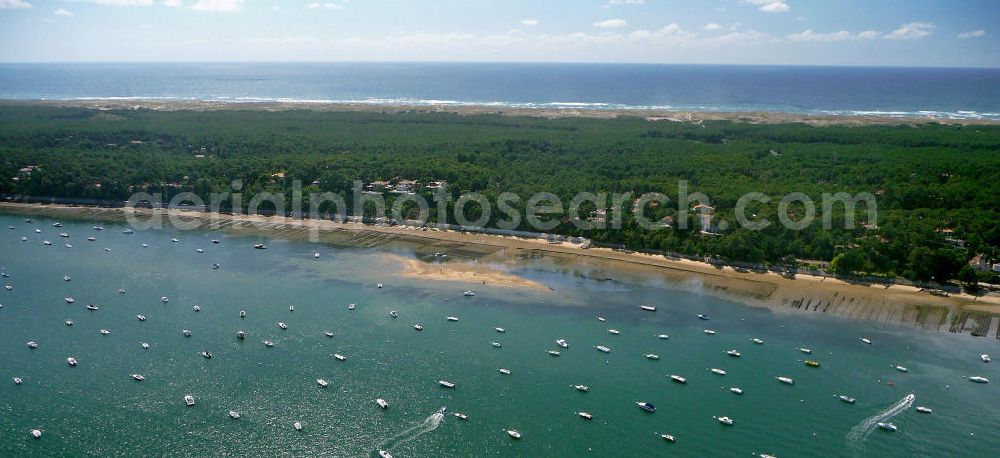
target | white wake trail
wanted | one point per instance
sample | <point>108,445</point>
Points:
<point>860,432</point>
<point>429,424</point>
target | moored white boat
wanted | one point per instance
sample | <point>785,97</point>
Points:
<point>668,438</point>
<point>614,332</point>
<point>709,331</point>
<point>144,345</point>
<point>241,334</point>
<point>585,415</point>
<point>234,415</point>
<point>786,380</point>
<point>603,349</point>
<point>514,434</point>
<point>384,454</point>
<point>663,337</point>
<point>382,403</point>
<point>736,390</point>
<point>500,330</point>
<point>734,353</point>
<point>923,409</point>
<point>186,333</point>
<point>32,344</point>
<point>18,381</point>
<point>562,343</point>
<point>702,316</point>
<point>340,357</point>
<point>393,313</point>
<point>582,388</point>
<point>138,377</point>
<point>902,369</point>
<point>652,356</point>
<point>646,406</point>
<point>461,416</point>
<point>92,307</point>
<point>726,421</point>
<point>322,383</point>
<point>866,340</point>
<point>504,371</point>
<point>446,384</point>
<point>140,317</point>
<point>69,300</point>
<point>984,358</point>
<point>553,353</point>
<point>678,379</point>
<point>282,325</point>
<point>648,308</point>
<point>846,398</point>
<point>297,425</point>
<point>979,379</point>
<point>451,318</point>
<point>469,293</point>
<point>718,371</point>
<point>268,343</point>
<point>888,427</point>
<point>36,433</point>
<point>806,351</point>
<point>189,400</point>
<point>328,333</point>
<point>105,332</point>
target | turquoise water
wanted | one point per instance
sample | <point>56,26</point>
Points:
<point>96,408</point>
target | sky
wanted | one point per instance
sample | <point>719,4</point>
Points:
<point>787,32</point>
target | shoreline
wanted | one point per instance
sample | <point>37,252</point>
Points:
<point>471,109</point>
<point>473,253</point>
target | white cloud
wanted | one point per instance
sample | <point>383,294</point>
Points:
<point>121,2</point>
<point>328,5</point>
<point>173,3</point>
<point>623,2</point>
<point>973,34</point>
<point>910,31</point>
<point>712,26</point>
<point>809,35</point>
<point>530,22</point>
<point>62,12</point>
<point>14,5</point>
<point>611,23</point>
<point>770,6</point>
<point>224,6</point>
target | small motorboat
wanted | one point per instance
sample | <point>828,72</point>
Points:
<point>46,243</point>
<point>215,266</point>
<point>185,333</point>
<point>91,239</point>
<point>328,333</point>
<point>585,415</point>
<point>601,319</point>
<point>56,224</point>
<point>66,278</point>
<point>496,344</point>
<point>901,369</point>
<point>140,317</point>
<point>452,318</point>
<point>138,377</point>
<point>69,300</point>
<point>291,308</point>
<point>189,400</point>
<point>726,421</point>
<point>888,427</point>
<point>978,379</point>
<point>92,307</point>
<point>446,384</point>
<point>582,388</point>
<point>553,353</point>
<point>18,381</point>
<point>652,356</point>
<point>394,314</point>
<point>603,349</point>
<point>785,380</point>
<point>144,345</point>
<point>562,343</point>
<point>668,438</point>
<point>164,299</point>
<point>469,293</point>
<point>504,371</point>
<point>418,327</point>
<point>384,454</point>
<point>199,250</point>
<point>382,403</point>
<point>128,231</point>
<point>174,240</point>
<point>923,409</point>
<point>32,344</point>
<point>461,416</point>
<point>847,399</point>
<point>8,287</point>
<point>350,306</point>
<point>984,358</point>
<point>215,241</point>
<point>322,383</point>
<point>514,434</point>
<point>648,308</point>
<point>98,228</point>
<point>268,343</point>
<point>379,286</point>
<point>734,353</point>
<point>105,332</point>
<point>121,291</point>
<point>36,433</point>
<point>678,379</point>
<point>866,340</point>
<point>812,363</point>
<point>646,406</point>
<point>806,351</point>
<point>315,255</point>
<point>736,390</point>
<point>282,325</point>
<point>663,337</point>
<point>206,354</point>
<point>64,235</point>
<point>297,425</point>
<point>145,245</point>
<point>241,335</point>
<point>500,330</point>
<point>702,316</point>
<point>260,246</point>
<point>196,308</point>
<point>243,314</point>
<point>71,361</point>
<point>614,332</point>
<point>442,410</point>
<point>709,331</point>
<point>340,357</point>
<point>717,371</point>
<point>234,415</point>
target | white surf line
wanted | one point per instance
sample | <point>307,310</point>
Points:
<point>429,424</point>
<point>861,431</point>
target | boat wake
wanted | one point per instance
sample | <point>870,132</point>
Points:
<point>429,424</point>
<point>861,431</point>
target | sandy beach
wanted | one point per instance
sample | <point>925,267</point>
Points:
<point>756,117</point>
<point>477,258</point>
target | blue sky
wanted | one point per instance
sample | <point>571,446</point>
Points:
<point>836,32</point>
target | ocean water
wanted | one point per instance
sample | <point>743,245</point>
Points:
<point>956,93</point>
<point>96,408</point>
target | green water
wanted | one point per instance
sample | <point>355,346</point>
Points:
<point>97,409</point>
